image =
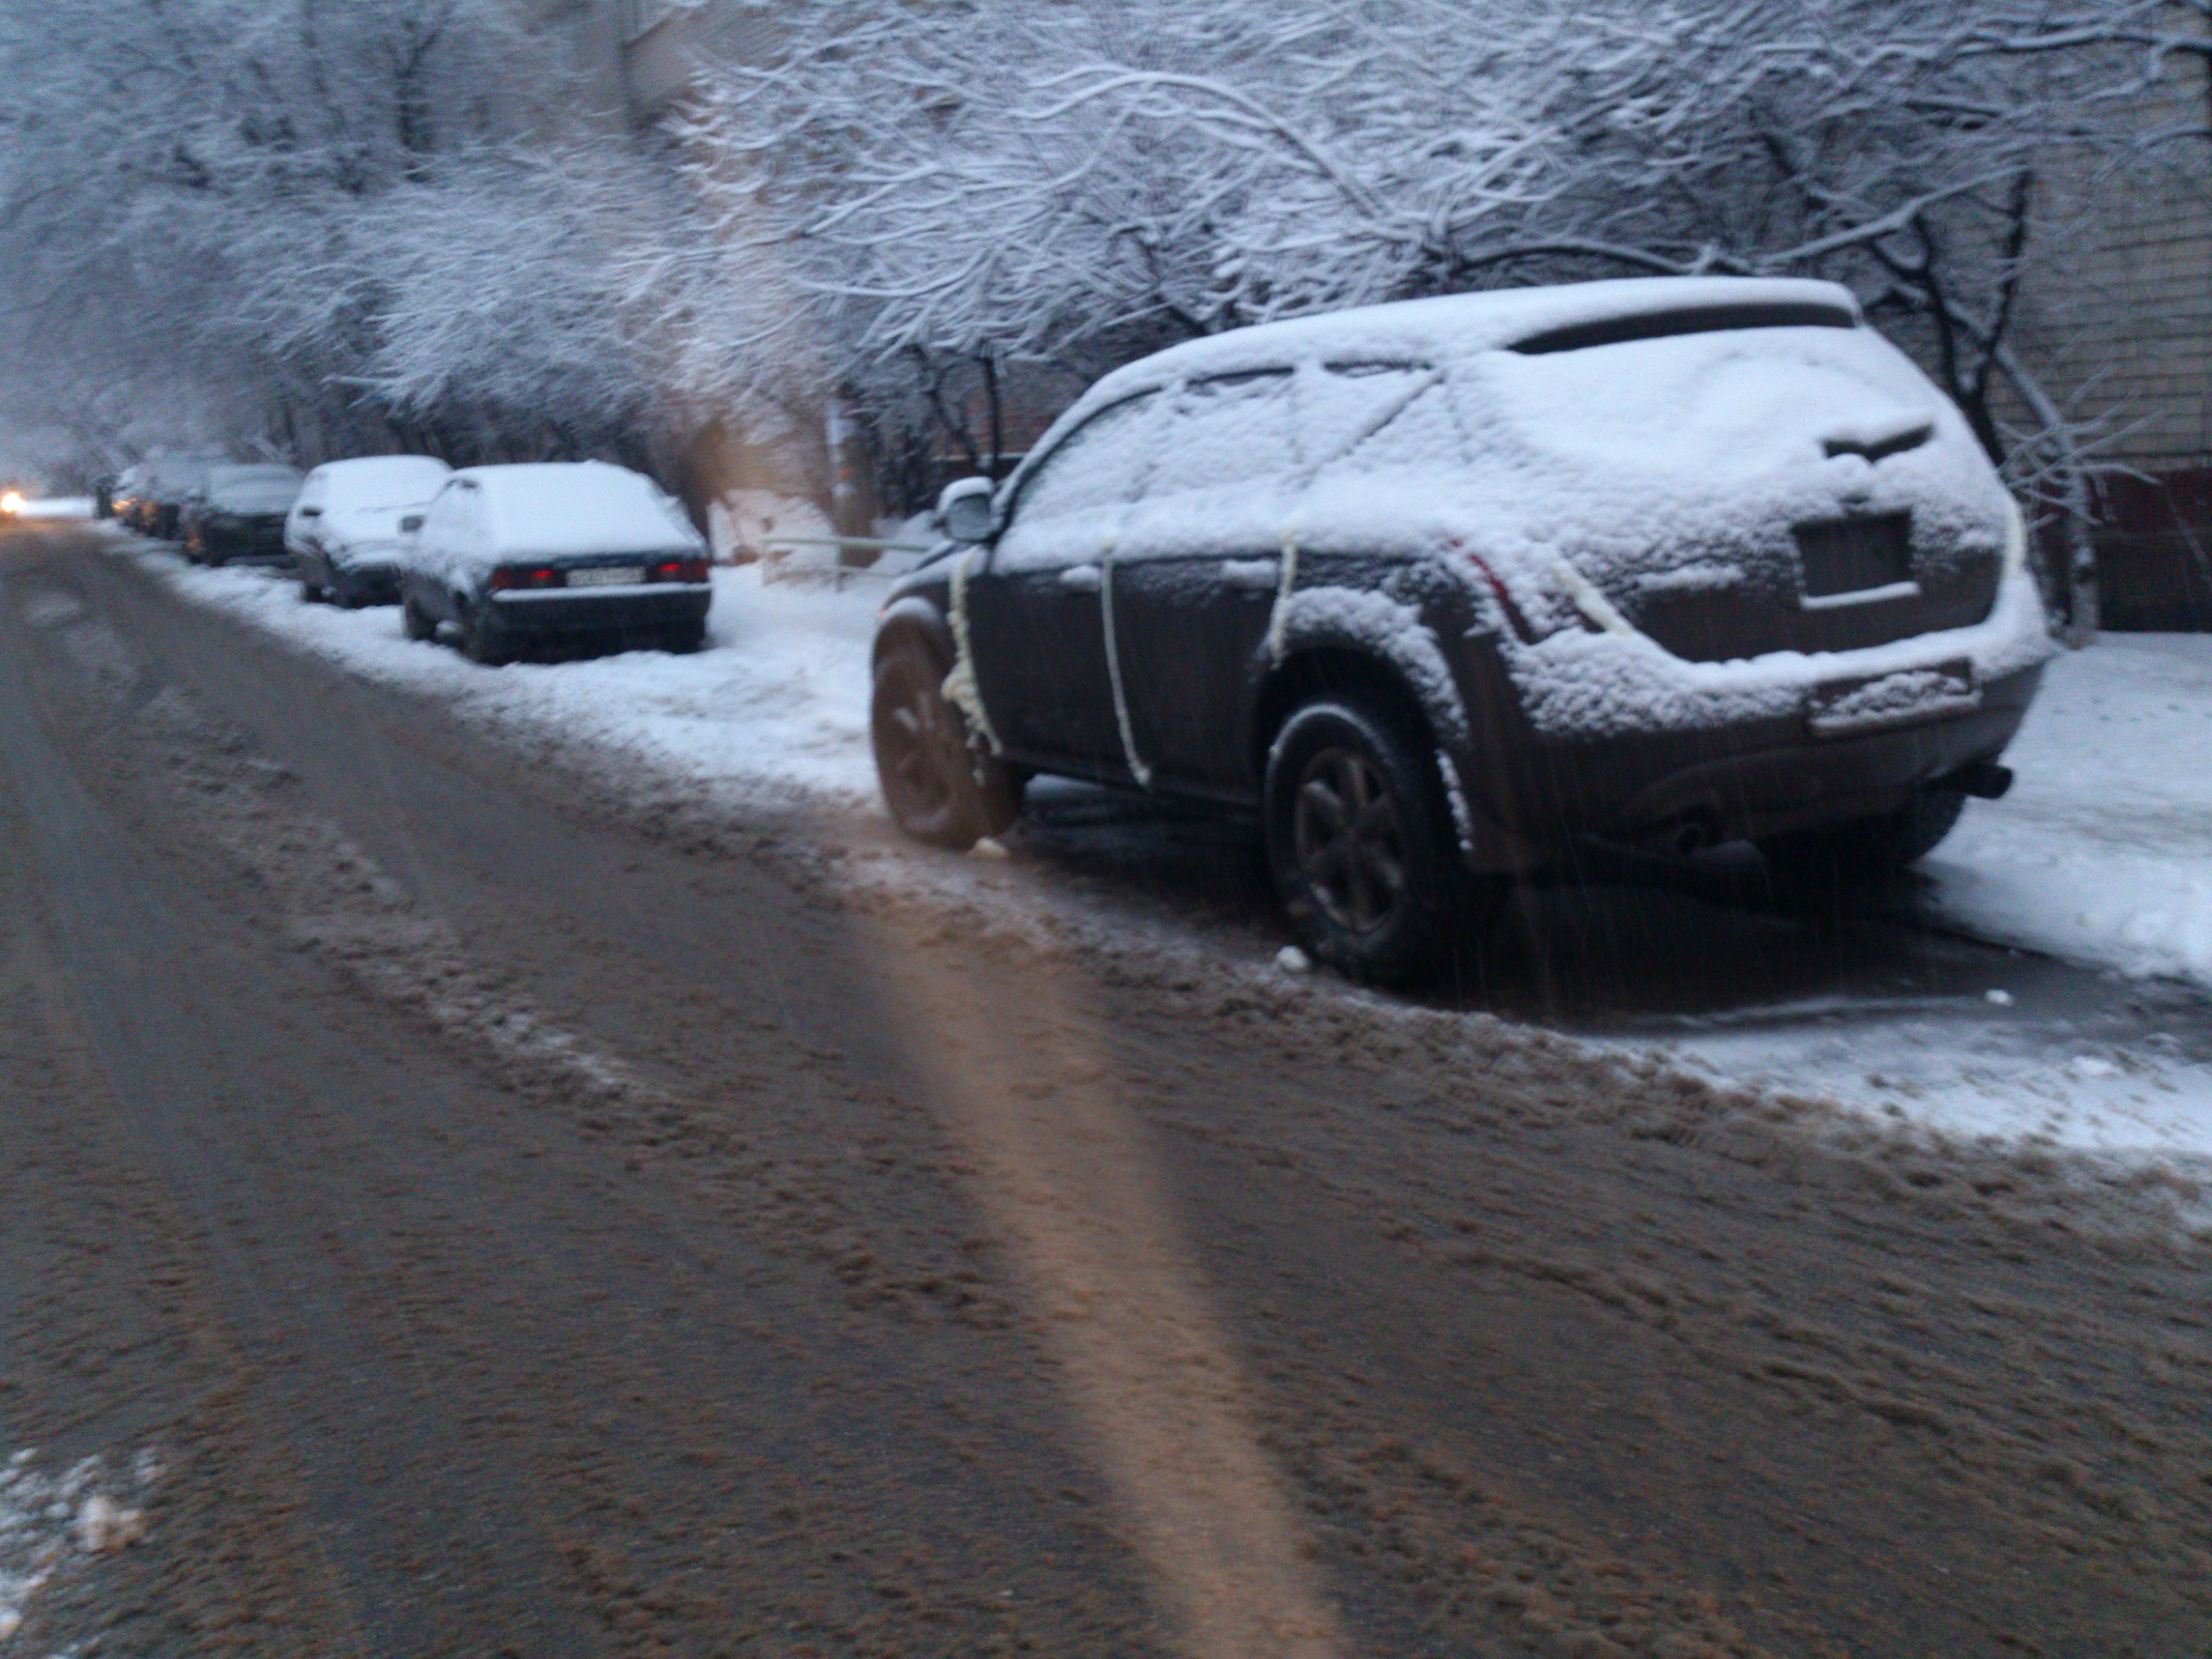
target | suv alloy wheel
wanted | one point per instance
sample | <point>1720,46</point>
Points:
<point>1360,842</point>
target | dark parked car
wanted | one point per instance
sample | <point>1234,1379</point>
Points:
<point>1445,587</point>
<point>569,552</point>
<point>128,496</point>
<point>160,500</point>
<point>343,532</point>
<point>238,513</point>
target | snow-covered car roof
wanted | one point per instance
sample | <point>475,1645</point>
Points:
<point>217,476</point>
<point>548,508</point>
<point>372,480</point>
<point>1533,320</point>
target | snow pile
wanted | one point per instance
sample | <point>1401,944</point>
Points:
<point>58,507</point>
<point>776,708</point>
<point>2103,851</point>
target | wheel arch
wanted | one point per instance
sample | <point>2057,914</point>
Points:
<point>1324,669</point>
<point>912,619</point>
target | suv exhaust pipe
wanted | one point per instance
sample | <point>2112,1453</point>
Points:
<point>1984,780</point>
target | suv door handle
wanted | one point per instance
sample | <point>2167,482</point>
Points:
<point>1251,574</point>
<point>1082,578</point>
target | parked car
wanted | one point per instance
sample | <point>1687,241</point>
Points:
<point>343,532</point>
<point>238,513</point>
<point>161,500</point>
<point>575,551</point>
<point>1446,587</point>
<point>129,499</point>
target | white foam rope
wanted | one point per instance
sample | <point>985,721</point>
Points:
<point>1286,579</point>
<point>1138,769</point>
<point>960,688</point>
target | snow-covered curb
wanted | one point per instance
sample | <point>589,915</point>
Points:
<point>2102,853</point>
<point>776,708</point>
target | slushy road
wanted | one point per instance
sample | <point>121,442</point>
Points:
<point>505,1226</point>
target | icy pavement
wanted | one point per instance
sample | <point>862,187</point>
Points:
<point>2102,853</point>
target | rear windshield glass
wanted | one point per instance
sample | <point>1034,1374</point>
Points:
<point>1701,319</point>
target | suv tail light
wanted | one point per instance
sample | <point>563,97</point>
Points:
<point>508,577</point>
<point>677,570</point>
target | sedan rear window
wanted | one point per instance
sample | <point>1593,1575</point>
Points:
<point>1697,320</point>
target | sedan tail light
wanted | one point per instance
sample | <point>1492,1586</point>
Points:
<point>507,577</point>
<point>678,570</point>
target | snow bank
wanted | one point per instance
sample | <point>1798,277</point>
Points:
<point>2102,853</point>
<point>776,707</point>
<point>58,507</point>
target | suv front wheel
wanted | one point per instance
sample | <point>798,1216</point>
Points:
<point>938,789</point>
<point>1360,842</point>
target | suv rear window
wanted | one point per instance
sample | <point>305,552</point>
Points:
<point>1698,319</point>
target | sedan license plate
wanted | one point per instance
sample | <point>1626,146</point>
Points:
<point>614,576</point>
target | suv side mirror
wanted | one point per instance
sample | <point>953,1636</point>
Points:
<point>410,524</point>
<point>963,510</point>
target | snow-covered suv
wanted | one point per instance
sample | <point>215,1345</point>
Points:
<point>1443,586</point>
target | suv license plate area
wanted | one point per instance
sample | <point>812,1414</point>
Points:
<point>1852,555</point>
<point>1845,709</point>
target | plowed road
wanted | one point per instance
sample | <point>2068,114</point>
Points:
<point>464,1218</point>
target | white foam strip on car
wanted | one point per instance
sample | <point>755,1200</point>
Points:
<point>1138,769</point>
<point>1588,600</point>
<point>960,688</point>
<point>1286,579</point>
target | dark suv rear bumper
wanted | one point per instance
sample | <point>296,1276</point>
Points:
<point>1678,790</point>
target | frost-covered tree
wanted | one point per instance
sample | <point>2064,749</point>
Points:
<point>261,220</point>
<point>936,188</point>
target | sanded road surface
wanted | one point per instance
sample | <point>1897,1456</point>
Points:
<point>465,1215</point>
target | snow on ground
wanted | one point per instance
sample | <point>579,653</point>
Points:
<point>49,1524</point>
<point>2102,853</point>
<point>1945,1065</point>
<point>776,707</point>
